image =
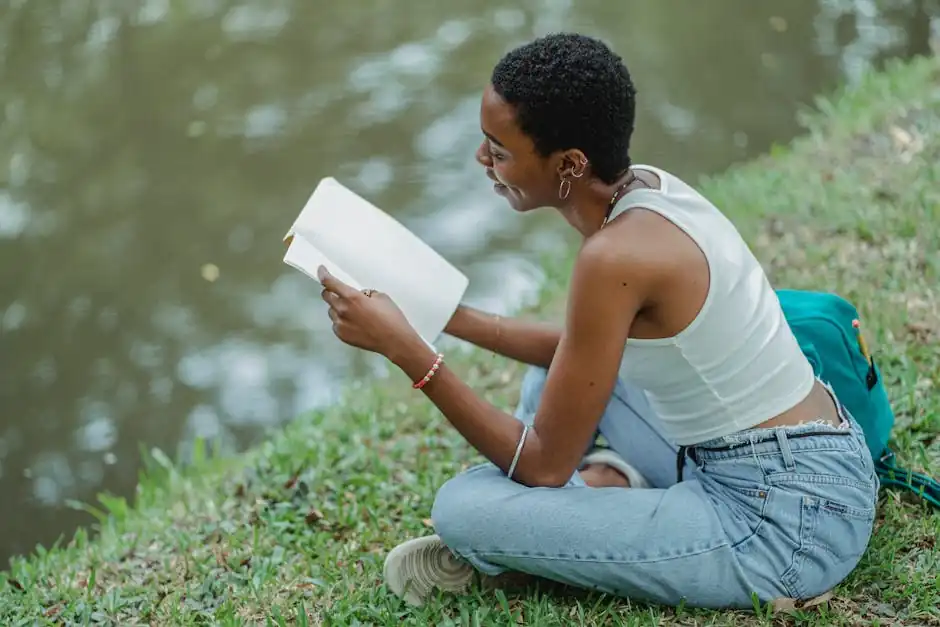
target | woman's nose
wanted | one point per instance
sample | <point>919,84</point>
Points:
<point>483,155</point>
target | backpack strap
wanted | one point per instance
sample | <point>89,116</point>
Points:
<point>892,475</point>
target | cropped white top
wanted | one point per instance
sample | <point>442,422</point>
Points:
<point>738,363</point>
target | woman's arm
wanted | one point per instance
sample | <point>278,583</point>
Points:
<point>530,342</point>
<point>609,286</point>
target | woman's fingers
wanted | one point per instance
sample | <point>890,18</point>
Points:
<point>336,302</point>
<point>333,284</point>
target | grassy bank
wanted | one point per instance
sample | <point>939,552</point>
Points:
<point>295,531</point>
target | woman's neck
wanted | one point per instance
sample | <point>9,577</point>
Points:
<point>589,203</point>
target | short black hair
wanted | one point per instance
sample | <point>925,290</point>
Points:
<point>571,91</point>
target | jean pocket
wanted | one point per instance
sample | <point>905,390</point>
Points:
<point>833,536</point>
<point>741,503</point>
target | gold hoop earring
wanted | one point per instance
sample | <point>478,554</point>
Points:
<point>563,189</point>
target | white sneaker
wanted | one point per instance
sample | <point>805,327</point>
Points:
<point>414,568</point>
<point>611,458</point>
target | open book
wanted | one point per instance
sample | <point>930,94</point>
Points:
<point>365,247</point>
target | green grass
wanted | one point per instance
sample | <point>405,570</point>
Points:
<point>295,531</point>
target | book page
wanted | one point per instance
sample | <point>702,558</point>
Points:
<point>304,256</point>
<point>377,251</point>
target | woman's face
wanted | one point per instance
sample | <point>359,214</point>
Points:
<point>520,175</point>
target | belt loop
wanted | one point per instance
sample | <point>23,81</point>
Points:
<point>784,444</point>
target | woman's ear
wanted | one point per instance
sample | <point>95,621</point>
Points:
<point>573,163</point>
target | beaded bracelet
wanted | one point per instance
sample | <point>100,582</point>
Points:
<point>431,372</point>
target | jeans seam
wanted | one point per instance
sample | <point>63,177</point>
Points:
<point>809,519</point>
<point>487,555</point>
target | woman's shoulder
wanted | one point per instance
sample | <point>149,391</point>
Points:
<point>639,243</point>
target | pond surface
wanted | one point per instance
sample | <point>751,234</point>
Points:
<point>153,153</point>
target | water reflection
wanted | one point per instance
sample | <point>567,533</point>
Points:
<point>153,153</point>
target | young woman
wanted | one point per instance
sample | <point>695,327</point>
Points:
<point>729,470</point>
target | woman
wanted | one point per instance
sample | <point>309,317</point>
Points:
<point>674,348</point>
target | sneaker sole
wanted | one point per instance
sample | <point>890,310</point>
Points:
<point>414,568</point>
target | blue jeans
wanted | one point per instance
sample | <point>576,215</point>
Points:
<point>783,512</point>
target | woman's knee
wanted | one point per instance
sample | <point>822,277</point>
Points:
<point>463,503</point>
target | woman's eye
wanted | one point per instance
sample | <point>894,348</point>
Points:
<point>494,154</point>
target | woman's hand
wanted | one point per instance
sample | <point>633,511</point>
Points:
<point>366,319</point>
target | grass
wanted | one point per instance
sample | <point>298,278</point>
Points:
<point>295,531</point>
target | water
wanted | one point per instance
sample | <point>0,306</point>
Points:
<point>153,153</point>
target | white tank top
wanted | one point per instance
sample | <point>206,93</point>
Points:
<point>737,364</point>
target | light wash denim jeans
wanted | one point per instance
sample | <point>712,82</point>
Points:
<point>783,512</point>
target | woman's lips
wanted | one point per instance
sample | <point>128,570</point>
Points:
<point>492,176</point>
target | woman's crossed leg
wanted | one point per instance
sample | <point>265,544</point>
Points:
<point>662,544</point>
<point>705,541</point>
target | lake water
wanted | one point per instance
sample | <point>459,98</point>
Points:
<point>153,153</point>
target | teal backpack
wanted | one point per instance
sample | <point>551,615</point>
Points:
<point>827,329</point>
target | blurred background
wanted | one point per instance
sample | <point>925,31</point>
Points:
<point>153,153</point>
